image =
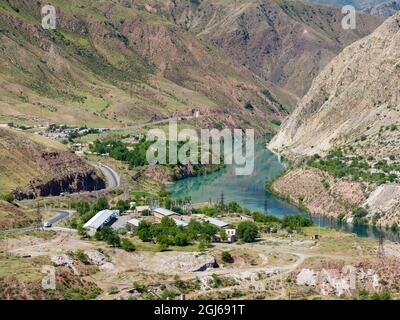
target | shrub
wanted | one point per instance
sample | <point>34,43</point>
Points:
<point>227,257</point>
<point>276,122</point>
<point>247,231</point>
<point>113,290</point>
<point>127,245</point>
<point>359,214</point>
<point>7,197</point>
<point>248,105</point>
<point>81,256</point>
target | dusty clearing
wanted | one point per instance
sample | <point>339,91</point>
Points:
<point>273,267</point>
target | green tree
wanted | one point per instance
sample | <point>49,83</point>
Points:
<point>101,204</point>
<point>359,214</point>
<point>207,231</point>
<point>234,207</point>
<point>296,222</point>
<point>122,205</point>
<point>145,213</point>
<point>223,235</point>
<point>247,231</point>
<point>144,231</point>
<point>181,239</point>
<point>108,235</point>
<point>127,245</point>
<point>227,257</point>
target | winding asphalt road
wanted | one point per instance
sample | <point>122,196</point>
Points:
<point>61,215</point>
<point>113,179</point>
<point>113,182</point>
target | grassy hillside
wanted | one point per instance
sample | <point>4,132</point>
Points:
<point>13,217</point>
<point>37,166</point>
<point>17,158</point>
<point>110,64</point>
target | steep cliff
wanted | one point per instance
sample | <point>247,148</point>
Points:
<point>351,101</point>
<point>30,167</point>
<point>347,130</point>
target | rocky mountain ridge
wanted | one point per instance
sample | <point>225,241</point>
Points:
<point>284,42</point>
<point>346,129</point>
<point>356,94</point>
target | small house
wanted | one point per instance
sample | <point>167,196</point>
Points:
<point>231,234</point>
<point>133,224</point>
<point>140,209</point>
<point>218,223</point>
<point>160,213</point>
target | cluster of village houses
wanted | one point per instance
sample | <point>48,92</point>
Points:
<point>131,219</point>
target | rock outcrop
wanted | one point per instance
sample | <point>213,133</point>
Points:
<point>30,168</point>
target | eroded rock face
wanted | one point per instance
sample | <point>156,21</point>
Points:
<point>61,260</point>
<point>174,262</point>
<point>65,173</point>
<point>338,281</point>
<point>96,257</point>
<point>31,166</point>
<point>337,278</point>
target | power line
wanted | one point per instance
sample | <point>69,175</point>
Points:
<point>381,249</point>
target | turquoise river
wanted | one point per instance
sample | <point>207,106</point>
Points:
<point>249,192</point>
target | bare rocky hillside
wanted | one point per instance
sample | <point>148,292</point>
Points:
<point>284,42</point>
<point>355,95</point>
<point>347,129</point>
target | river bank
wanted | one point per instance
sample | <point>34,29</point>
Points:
<point>249,192</point>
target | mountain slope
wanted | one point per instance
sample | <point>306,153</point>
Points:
<point>358,4</point>
<point>349,122</point>
<point>356,94</point>
<point>110,64</point>
<point>284,42</point>
<point>12,217</point>
<point>385,9</point>
<point>32,166</point>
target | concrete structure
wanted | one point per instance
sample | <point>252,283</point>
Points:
<point>218,223</point>
<point>181,223</point>
<point>230,236</point>
<point>101,219</point>
<point>133,224</point>
<point>160,213</point>
<point>231,233</point>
